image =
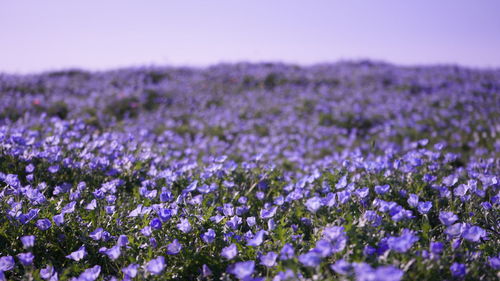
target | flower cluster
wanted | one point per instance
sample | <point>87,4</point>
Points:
<point>352,171</point>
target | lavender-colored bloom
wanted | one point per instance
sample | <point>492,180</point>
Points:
<point>447,218</point>
<point>313,204</point>
<point>78,255</point>
<point>28,241</point>
<point>205,271</point>
<point>43,224</point>
<point>402,243</point>
<point>96,234</point>
<point>122,240</point>
<point>369,250</point>
<point>184,225</point>
<point>342,183</point>
<point>436,247</point>
<point>6,263</point>
<point>90,274</point>
<point>268,213</point>
<point>234,222</point>
<point>58,219</point>
<point>251,221</point>
<point>174,248</point>
<point>413,200</point>
<point>156,266</point>
<point>362,192</point>
<point>494,262</point>
<point>287,252</point>
<point>131,270</point>
<point>257,239</point>
<point>47,272</point>
<point>341,267</point>
<point>92,205</point>
<point>474,233</point>
<point>243,269</point>
<point>455,230</point>
<point>458,269</point>
<point>26,258</point>
<point>269,259</point>
<point>424,207</point>
<point>208,236</point>
<point>382,189</point>
<point>228,210</point>
<point>230,251</point>
<point>323,248</point>
<point>156,223</point>
<point>69,208</point>
<point>113,253</point>
<point>388,273</point>
<point>310,259</point>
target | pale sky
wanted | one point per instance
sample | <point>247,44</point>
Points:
<point>47,35</point>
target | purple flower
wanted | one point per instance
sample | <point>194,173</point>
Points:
<point>474,233</point>
<point>313,204</point>
<point>424,207</point>
<point>90,274</point>
<point>26,258</point>
<point>413,200</point>
<point>287,252</point>
<point>310,259</point>
<point>455,230</point>
<point>388,273</point>
<point>251,221</point>
<point>382,189</point>
<point>323,248</point>
<point>96,234</point>
<point>268,259</point>
<point>92,205</point>
<point>436,247</point>
<point>28,241</point>
<point>78,255</point>
<point>113,253</point>
<point>58,219</point>
<point>228,210</point>
<point>69,208</point>
<point>156,223</point>
<point>208,236</point>
<point>131,270</point>
<point>205,271</point>
<point>494,262</point>
<point>447,218</point>
<point>174,248</point>
<point>242,269</point>
<point>341,267</point>
<point>164,214</point>
<point>402,243</point>
<point>6,263</point>
<point>122,240</point>
<point>257,239</point>
<point>458,269</point>
<point>268,213</point>
<point>184,225</point>
<point>230,251</point>
<point>156,266</point>
<point>47,272</point>
<point>43,224</point>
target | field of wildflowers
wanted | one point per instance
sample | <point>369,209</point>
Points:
<point>348,171</point>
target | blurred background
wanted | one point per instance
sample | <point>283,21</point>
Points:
<point>39,36</point>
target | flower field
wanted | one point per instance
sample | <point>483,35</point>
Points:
<point>347,171</point>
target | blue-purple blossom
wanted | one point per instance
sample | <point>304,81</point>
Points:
<point>184,225</point>
<point>174,247</point>
<point>474,233</point>
<point>402,243</point>
<point>209,236</point>
<point>229,252</point>
<point>447,218</point>
<point>156,266</point>
<point>26,258</point>
<point>78,254</point>
<point>242,269</point>
<point>458,269</point>
<point>269,259</point>
<point>28,241</point>
<point>130,271</point>
<point>310,259</point>
<point>257,239</point>
<point>6,263</point>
